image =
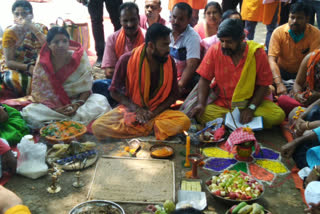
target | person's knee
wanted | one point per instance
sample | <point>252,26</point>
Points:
<point>276,117</point>
<point>8,199</point>
<point>97,129</point>
<point>281,115</point>
<point>272,114</point>
<point>9,162</point>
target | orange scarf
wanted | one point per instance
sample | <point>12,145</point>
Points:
<point>138,80</point>
<point>121,40</point>
<point>313,60</point>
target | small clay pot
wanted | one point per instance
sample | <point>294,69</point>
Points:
<point>244,152</point>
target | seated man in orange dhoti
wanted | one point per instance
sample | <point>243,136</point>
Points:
<point>145,85</point>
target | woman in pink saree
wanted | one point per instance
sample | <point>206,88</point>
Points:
<point>61,84</point>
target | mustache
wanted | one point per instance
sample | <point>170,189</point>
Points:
<point>131,28</point>
<point>227,51</point>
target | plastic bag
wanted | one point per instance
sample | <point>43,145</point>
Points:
<point>31,162</point>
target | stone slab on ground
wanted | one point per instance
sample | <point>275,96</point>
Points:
<point>133,180</point>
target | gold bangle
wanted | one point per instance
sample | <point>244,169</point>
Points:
<point>276,77</point>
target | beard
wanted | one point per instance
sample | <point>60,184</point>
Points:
<point>160,59</point>
<point>230,52</point>
<point>227,51</point>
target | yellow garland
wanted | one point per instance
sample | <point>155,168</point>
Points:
<point>247,129</point>
<point>298,112</point>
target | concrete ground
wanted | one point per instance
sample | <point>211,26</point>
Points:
<point>281,198</point>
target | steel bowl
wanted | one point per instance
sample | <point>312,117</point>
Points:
<point>95,203</point>
<point>233,201</point>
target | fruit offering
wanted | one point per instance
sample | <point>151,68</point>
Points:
<point>235,185</point>
<point>167,208</point>
<point>244,208</point>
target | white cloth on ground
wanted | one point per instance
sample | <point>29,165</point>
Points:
<point>37,115</point>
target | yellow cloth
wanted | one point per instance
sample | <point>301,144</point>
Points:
<point>18,209</point>
<point>272,114</point>
<point>246,85</point>
<point>25,50</point>
<point>167,123</point>
<point>254,10</point>
<point>9,38</point>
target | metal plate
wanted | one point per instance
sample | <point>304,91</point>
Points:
<point>85,206</point>
<point>233,201</point>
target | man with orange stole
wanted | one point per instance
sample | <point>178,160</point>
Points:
<point>130,36</point>
<point>145,85</point>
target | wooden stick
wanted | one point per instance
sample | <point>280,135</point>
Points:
<point>94,177</point>
<point>164,141</point>
<point>155,141</point>
<point>230,110</point>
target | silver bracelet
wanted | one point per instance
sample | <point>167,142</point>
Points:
<point>80,102</point>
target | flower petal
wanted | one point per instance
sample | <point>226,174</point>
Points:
<point>241,166</point>
<point>267,154</point>
<point>219,164</point>
<point>216,153</point>
<point>260,173</point>
<point>273,166</point>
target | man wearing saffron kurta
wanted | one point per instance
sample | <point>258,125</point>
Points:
<point>122,41</point>
<point>242,76</point>
<point>145,85</point>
